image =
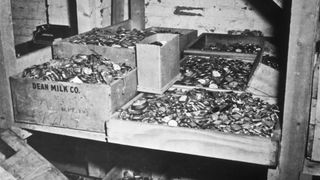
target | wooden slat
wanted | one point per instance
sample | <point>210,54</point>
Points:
<point>26,163</point>
<point>255,150</point>
<point>64,131</point>
<point>117,11</point>
<point>7,63</point>
<point>298,87</point>
<point>137,14</point>
<point>22,134</point>
<point>5,175</point>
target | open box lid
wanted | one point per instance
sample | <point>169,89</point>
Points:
<point>18,160</point>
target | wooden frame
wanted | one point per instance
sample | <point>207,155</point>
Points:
<point>297,102</point>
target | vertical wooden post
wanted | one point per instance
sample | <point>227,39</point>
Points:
<point>117,11</point>
<point>7,63</point>
<point>137,14</point>
<point>302,37</point>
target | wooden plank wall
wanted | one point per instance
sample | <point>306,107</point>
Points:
<point>205,15</point>
<point>93,14</point>
<point>26,15</point>
<point>58,12</point>
<point>208,16</point>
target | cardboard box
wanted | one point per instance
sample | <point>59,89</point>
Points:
<point>206,39</point>
<point>185,35</point>
<point>158,66</point>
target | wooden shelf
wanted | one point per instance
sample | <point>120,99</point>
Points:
<point>64,131</point>
<point>250,149</point>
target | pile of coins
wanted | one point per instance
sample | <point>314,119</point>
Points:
<point>248,48</point>
<point>246,32</point>
<point>271,61</point>
<point>165,31</point>
<point>80,68</point>
<point>103,37</point>
<point>231,112</point>
<point>214,72</point>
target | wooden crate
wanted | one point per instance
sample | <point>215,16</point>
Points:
<point>264,80</point>
<point>23,162</point>
<point>214,144</point>
<point>186,35</point>
<point>69,105</point>
<point>158,66</point>
<point>206,39</point>
<point>65,49</point>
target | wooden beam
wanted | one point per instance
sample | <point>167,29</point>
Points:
<point>95,136</point>
<point>7,63</point>
<point>304,17</point>
<point>117,11</point>
<point>137,13</point>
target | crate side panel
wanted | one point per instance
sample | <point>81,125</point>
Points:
<point>169,59</point>
<point>78,106</point>
<point>148,63</point>
<point>265,79</point>
<point>123,90</point>
<point>37,57</point>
